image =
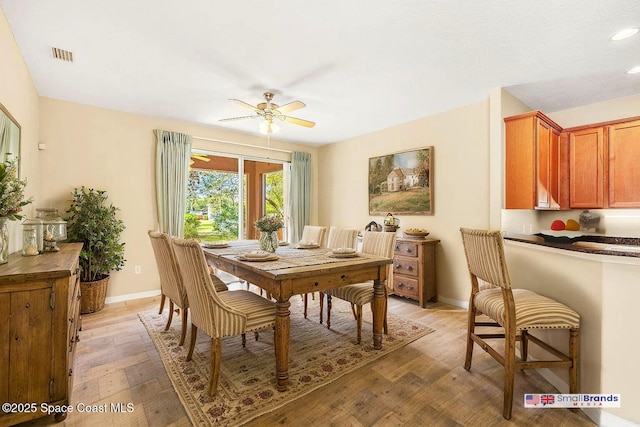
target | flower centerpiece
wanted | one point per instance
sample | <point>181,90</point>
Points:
<point>11,202</point>
<point>268,226</point>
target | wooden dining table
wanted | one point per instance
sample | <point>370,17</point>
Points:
<point>300,271</point>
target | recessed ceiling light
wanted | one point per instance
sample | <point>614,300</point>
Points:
<point>625,34</point>
<point>634,70</point>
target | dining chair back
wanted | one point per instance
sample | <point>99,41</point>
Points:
<point>514,312</point>
<point>373,243</point>
<point>342,238</point>
<point>171,285</point>
<point>314,234</point>
<point>218,314</point>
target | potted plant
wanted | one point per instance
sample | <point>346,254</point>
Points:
<point>94,223</point>
<point>11,202</point>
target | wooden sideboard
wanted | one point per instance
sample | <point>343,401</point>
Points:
<point>39,324</point>
<point>414,269</point>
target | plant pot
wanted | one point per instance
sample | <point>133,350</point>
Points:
<point>93,295</point>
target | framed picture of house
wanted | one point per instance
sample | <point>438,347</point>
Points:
<point>402,183</point>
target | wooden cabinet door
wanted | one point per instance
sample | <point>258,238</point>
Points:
<point>520,187</point>
<point>30,353</point>
<point>624,165</point>
<point>547,150</point>
<point>532,169</point>
<point>587,172</point>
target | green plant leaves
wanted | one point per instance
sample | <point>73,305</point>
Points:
<point>95,224</point>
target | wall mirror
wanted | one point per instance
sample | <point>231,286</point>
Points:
<point>9,137</point>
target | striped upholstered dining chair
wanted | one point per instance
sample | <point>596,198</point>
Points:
<point>515,312</point>
<point>342,238</point>
<point>171,285</point>
<point>313,234</point>
<point>218,314</point>
<point>338,238</point>
<point>373,243</point>
<point>170,280</point>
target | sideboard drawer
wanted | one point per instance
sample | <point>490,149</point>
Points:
<point>405,286</point>
<point>405,265</point>
<point>406,249</point>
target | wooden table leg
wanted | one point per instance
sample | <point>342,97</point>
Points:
<point>379,296</point>
<point>283,326</point>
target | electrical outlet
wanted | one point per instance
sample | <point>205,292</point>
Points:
<point>137,269</point>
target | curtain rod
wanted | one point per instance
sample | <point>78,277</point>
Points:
<point>241,144</point>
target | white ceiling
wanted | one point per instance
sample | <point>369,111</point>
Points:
<point>359,66</point>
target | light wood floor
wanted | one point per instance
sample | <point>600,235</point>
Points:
<point>421,384</point>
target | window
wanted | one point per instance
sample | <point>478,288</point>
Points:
<point>220,206</point>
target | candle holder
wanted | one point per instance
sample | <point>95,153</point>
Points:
<point>32,237</point>
<point>55,228</point>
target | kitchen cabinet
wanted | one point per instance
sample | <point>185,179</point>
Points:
<point>414,269</point>
<point>587,168</point>
<point>39,323</point>
<point>534,159</point>
<point>624,164</point>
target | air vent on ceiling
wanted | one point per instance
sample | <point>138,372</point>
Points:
<point>61,54</point>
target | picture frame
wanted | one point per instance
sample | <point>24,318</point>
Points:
<point>402,183</point>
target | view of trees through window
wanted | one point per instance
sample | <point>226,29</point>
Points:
<point>213,198</point>
<point>274,193</point>
<point>212,205</point>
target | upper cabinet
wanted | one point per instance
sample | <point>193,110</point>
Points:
<point>624,164</point>
<point>534,163</point>
<point>587,168</point>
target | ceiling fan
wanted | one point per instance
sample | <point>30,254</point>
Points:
<point>270,112</point>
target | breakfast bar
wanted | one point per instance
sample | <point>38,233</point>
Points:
<point>601,283</point>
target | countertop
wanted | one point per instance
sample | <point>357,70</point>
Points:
<point>593,244</point>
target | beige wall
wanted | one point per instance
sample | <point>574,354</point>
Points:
<point>461,183</point>
<point>115,151</point>
<point>18,94</point>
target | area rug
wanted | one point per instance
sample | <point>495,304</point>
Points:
<point>246,387</point>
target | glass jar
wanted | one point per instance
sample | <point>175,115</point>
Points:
<point>55,228</point>
<point>32,236</point>
<point>29,242</point>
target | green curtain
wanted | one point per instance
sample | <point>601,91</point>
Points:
<point>300,193</point>
<point>173,152</point>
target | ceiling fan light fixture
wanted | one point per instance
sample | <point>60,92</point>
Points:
<point>634,70</point>
<point>268,127</point>
<point>625,34</point>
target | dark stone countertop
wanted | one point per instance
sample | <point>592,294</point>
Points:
<point>567,243</point>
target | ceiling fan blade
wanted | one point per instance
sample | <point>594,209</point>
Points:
<point>243,104</point>
<point>301,122</point>
<point>292,106</point>
<point>237,118</point>
<point>200,157</point>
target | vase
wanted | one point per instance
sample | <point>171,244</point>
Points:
<point>4,241</point>
<point>269,241</point>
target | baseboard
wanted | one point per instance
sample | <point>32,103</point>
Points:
<point>128,297</point>
<point>607,419</point>
<point>454,302</point>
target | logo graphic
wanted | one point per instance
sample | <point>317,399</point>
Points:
<point>532,399</point>
<point>547,399</point>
